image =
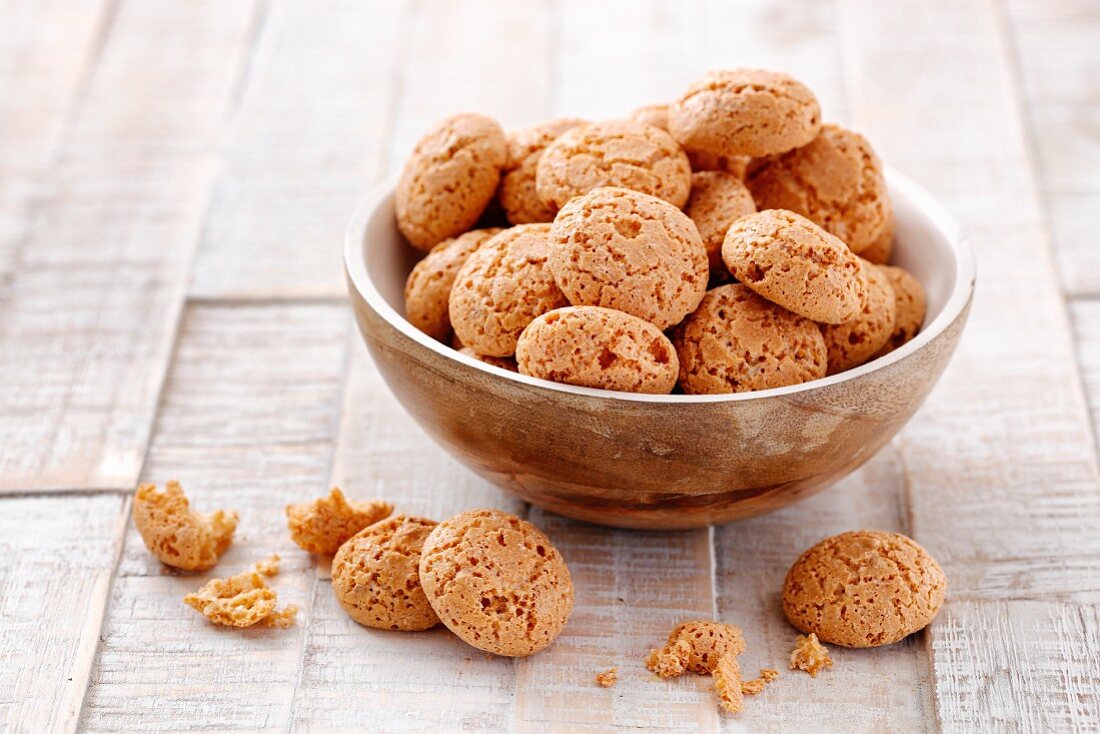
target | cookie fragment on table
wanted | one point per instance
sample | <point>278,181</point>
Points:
<point>175,534</point>
<point>326,523</point>
<point>244,600</point>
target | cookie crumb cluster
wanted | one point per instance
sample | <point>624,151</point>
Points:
<point>244,600</point>
<point>607,678</point>
<point>756,685</point>
<point>810,655</point>
<point>738,181</point>
<point>704,648</point>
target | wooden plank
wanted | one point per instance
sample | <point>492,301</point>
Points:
<point>57,555</point>
<point>1000,462</point>
<point>1055,52</point>
<point>307,143</point>
<point>1086,332</point>
<point>89,315</point>
<point>247,423</point>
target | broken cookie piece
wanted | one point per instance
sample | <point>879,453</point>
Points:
<point>243,600</point>
<point>756,685</point>
<point>175,534</point>
<point>326,523</point>
<point>608,677</point>
<point>810,655</point>
<point>705,648</point>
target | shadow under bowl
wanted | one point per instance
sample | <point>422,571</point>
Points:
<point>659,461</point>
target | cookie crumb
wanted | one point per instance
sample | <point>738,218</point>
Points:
<point>608,677</point>
<point>243,600</point>
<point>326,523</point>
<point>175,534</point>
<point>705,648</point>
<point>810,655</point>
<point>756,685</point>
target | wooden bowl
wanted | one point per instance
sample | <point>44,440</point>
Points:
<point>658,461</point>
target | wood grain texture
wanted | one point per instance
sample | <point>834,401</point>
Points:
<point>247,423</point>
<point>307,142</point>
<point>1008,508</point>
<point>57,555</point>
<point>1086,331</point>
<point>89,314</point>
<point>1055,53</point>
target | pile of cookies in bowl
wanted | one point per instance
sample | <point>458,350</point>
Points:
<point>726,242</point>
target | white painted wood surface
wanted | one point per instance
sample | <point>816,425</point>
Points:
<point>174,181</point>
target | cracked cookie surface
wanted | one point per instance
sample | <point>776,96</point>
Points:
<point>518,194</point>
<point>624,153</point>
<point>717,200</point>
<point>860,338</point>
<point>497,582</point>
<point>745,112</point>
<point>863,589</point>
<point>598,347</point>
<point>428,286</point>
<point>835,181</point>
<point>791,261</point>
<point>622,249</point>
<point>449,179</point>
<point>376,575</point>
<point>501,288</point>
<point>737,341</point>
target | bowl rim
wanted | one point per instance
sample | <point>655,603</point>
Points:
<point>961,292</point>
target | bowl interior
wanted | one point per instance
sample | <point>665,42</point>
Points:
<point>927,244</point>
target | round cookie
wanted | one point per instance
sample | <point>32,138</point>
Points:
<point>598,347</point>
<point>791,261</point>
<point>657,116</point>
<point>836,182</point>
<point>497,582</point>
<point>376,576</point>
<point>501,288</point>
<point>428,287</point>
<point>863,589</point>
<point>857,340</point>
<point>505,363</point>
<point>652,114</point>
<point>745,112</point>
<point>910,307</point>
<point>717,199</point>
<point>622,249</point>
<point>518,196</point>
<point>879,251</point>
<point>624,153</point>
<point>737,341</point>
<point>449,179</point>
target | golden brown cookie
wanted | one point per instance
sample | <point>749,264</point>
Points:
<point>497,582</point>
<point>624,153</point>
<point>449,179</point>
<point>622,249</point>
<point>325,524</point>
<point>376,575</point>
<point>657,116</point>
<point>863,589</point>
<point>704,648</point>
<point>243,600</point>
<point>177,536</point>
<point>737,341</point>
<point>652,114</point>
<point>745,112</point>
<point>501,288</point>
<point>791,261</point>
<point>505,363</point>
<point>517,195</point>
<point>428,287</point>
<point>879,251</point>
<point>910,306</point>
<point>809,655</point>
<point>598,347</point>
<point>836,182</point>
<point>857,340</point>
<point>717,199</point>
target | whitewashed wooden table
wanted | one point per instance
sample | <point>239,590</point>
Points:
<point>175,176</point>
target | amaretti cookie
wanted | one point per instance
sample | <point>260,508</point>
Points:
<point>176,535</point>
<point>910,307</point>
<point>244,600</point>
<point>737,341</point>
<point>323,525</point>
<point>428,287</point>
<point>858,339</point>
<point>449,179</point>
<point>376,575</point>
<point>598,347</point>
<point>863,589</point>
<point>657,115</point>
<point>879,251</point>
<point>622,249</point>
<point>497,582</point>
<point>623,153</point>
<point>717,200</point>
<point>791,261</point>
<point>704,648</point>
<point>835,181</point>
<point>745,112</point>
<point>502,287</point>
<point>518,195</point>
